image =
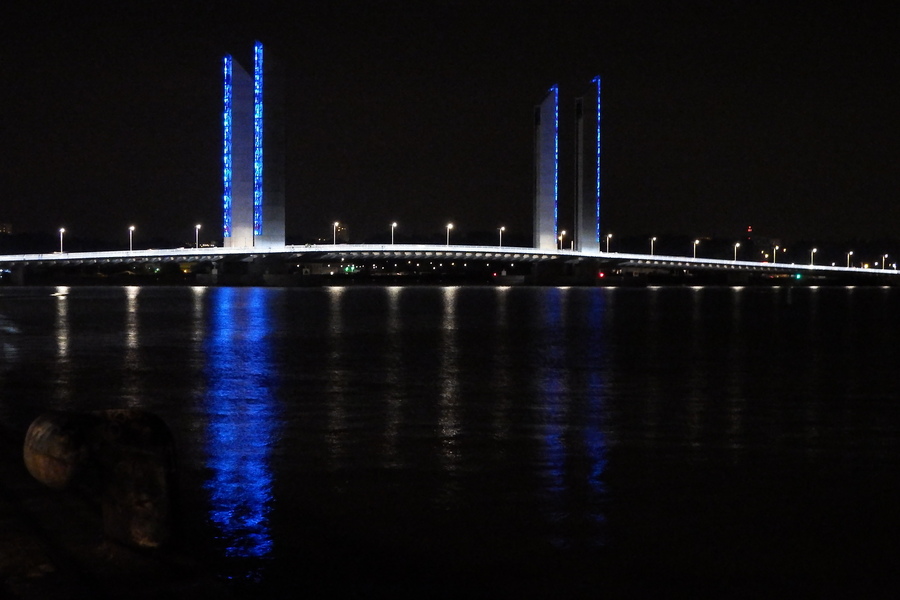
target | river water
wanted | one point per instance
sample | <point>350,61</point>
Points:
<point>498,442</point>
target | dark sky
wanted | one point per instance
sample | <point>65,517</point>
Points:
<point>717,115</point>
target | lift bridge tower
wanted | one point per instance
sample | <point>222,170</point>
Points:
<point>253,152</point>
<point>587,170</point>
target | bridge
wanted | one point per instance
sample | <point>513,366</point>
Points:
<point>587,263</point>
<point>253,245</point>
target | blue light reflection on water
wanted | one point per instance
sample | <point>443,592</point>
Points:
<point>555,393</point>
<point>573,413</point>
<point>594,436</point>
<point>242,425</point>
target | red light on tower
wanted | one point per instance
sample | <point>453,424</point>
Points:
<point>749,228</point>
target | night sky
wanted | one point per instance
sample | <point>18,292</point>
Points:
<point>717,115</point>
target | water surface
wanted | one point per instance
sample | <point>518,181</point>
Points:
<point>494,441</point>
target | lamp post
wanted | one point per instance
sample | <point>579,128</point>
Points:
<point>131,238</point>
<point>652,241</point>
<point>501,230</point>
<point>62,230</point>
<point>849,254</point>
<point>334,233</point>
<point>562,234</point>
<point>608,236</point>
<point>884,261</point>
<point>696,243</point>
<point>449,227</point>
<point>393,227</point>
<point>812,256</point>
<point>736,246</point>
<point>197,235</point>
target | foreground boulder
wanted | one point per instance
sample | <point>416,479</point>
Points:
<point>126,457</point>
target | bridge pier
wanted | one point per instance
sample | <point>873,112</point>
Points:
<point>576,272</point>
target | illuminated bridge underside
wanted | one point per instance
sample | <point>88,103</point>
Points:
<point>362,252</point>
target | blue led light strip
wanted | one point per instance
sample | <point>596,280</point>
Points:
<point>257,138</point>
<point>597,81</point>
<point>555,90</point>
<point>226,151</point>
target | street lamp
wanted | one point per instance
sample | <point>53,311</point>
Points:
<point>652,240</point>
<point>736,246</point>
<point>562,234</point>
<point>696,243</point>
<point>61,232</point>
<point>501,230</point>
<point>393,227</point>
<point>849,254</point>
<point>334,234</point>
<point>812,256</point>
<point>197,235</point>
<point>449,227</point>
<point>774,255</point>
<point>608,235</point>
<point>884,262</point>
<point>131,238</point>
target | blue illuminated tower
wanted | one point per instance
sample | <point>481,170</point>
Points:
<point>546,170</point>
<point>253,153</point>
<point>587,172</point>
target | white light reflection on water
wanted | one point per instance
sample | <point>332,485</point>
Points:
<point>448,375</point>
<point>697,401</point>
<point>736,375</point>
<point>501,380</point>
<point>198,299</point>
<point>393,377</point>
<point>655,385</point>
<point>337,432</point>
<point>62,391</point>
<point>132,363</point>
<point>242,421</point>
<point>9,351</point>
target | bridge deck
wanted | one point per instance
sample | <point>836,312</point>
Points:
<point>421,251</point>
